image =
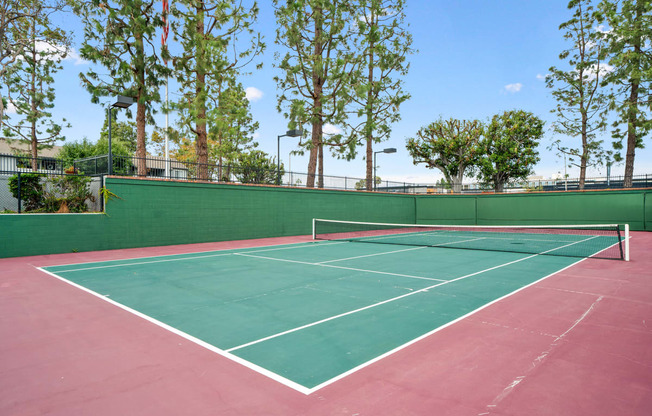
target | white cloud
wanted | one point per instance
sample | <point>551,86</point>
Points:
<point>253,94</point>
<point>541,77</point>
<point>513,88</point>
<point>75,58</point>
<point>10,108</point>
<point>331,129</point>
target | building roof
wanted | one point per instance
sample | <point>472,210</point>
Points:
<point>20,147</point>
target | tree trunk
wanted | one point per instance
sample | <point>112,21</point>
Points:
<point>371,180</point>
<point>320,183</point>
<point>632,107</point>
<point>314,149</point>
<point>317,85</point>
<point>201,141</point>
<point>34,139</point>
<point>141,150</point>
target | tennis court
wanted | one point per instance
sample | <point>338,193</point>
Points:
<point>309,314</point>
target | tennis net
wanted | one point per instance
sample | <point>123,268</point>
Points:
<point>609,241</point>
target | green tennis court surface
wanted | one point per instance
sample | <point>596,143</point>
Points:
<point>306,314</point>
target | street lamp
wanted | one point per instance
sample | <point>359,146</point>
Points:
<point>388,150</point>
<point>121,102</point>
<point>289,133</point>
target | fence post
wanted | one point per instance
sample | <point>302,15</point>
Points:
<point>19,195</point>
<point>101,193</point>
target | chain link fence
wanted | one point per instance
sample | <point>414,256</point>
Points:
<point>38,192</point>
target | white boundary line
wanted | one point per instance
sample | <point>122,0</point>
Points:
<point>281,379</point>
<point>189,337</point>
<point>339,267</point>
<point>407,344</point>
<point>371,255</point>
<point>217,254</point>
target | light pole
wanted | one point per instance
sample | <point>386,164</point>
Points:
<point>121,102</point>
<point>388,150</point>
<point>289,133</point>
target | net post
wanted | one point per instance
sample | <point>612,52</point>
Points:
<point>313,230</point>
<point>626,242</point>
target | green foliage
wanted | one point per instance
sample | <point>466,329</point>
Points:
<point>361,185</point>
<point>31,190</point>
<point>581,103</point>
<point>41,194</point>
<point>68,193</point>
<point>120,36</point>
<point>317,68</point>
<point>452,146</point>
<point>72,151</point>
<point>123,132</point>
<point>30,77</point>
<point>217,40</point>
<point>257,167</point>
<point>382,44</point>
<point>629,50</point>
<point>107,195</point>
<point>508,147</point>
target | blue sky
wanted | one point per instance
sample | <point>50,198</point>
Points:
<point>475,58</point>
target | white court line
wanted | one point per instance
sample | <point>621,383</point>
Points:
<point>371,255</point>
<point>339,267</point>
<point>261,370</point>
<point>398,251</point>
<point>425,289</point>
<point>218,254</point>
<point>279,378</point>
<point>444,233</point>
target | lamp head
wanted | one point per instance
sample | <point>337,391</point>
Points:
<point>123,101</point>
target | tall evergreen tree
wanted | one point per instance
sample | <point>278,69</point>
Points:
<point>119,35</point>
<point>211,33</point>
<point>15,16</point>
<point>29,79</point>
<point>383,44</point>
<point>629,41</point>
<point>581,103</point>
<point>316,71</point>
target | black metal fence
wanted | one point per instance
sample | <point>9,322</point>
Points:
<point>61,191</point>
<point>155,167</point>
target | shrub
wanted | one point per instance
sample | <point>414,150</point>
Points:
<point>31,190</point>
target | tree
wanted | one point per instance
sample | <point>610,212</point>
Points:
<point>629,48</point>
<point>317,71</point>
<point>581,105</point>
<point>383,44</point>
<point>15,16</point>
<point>231,128</point>
<point>452,146</point>
<point>72,151</point>
<point>210,32</point>
<point>119,35</point>
<point>257,167</point>
<point>29,79</point>
<point>361,185</point>
<point>121,131</point>
<point>508,147</point>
